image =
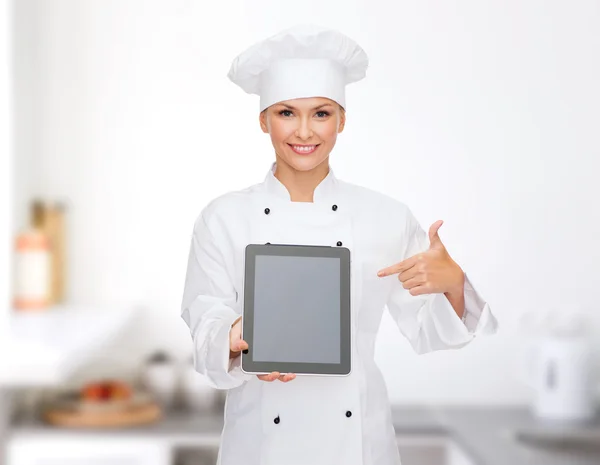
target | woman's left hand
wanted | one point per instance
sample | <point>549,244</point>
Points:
<point>429,272</point>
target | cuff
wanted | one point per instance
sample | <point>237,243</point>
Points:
<point>449,327</point>
<point>477,317</point>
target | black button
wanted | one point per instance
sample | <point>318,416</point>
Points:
<point>339,243</point>
<point>267,211</point>
<point>245,351</point>
<point>267,243</point>
<point>334,208</point>
<point>348,413</point>
<point>276,420</point>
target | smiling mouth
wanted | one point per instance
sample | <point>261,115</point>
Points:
<point>304,149</point>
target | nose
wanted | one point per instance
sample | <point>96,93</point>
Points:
<point>304,131</point>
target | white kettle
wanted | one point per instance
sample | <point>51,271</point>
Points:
<point>559,369</point>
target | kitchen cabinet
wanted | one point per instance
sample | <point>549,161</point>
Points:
<point>77,450</point>
<point>87,451</point>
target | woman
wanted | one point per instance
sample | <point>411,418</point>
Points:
<point>280,419</point>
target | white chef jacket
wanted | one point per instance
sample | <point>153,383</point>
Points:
<point>314,420</point>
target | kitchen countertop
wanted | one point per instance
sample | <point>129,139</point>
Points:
<point>46,347</point>
<point>485,433</point>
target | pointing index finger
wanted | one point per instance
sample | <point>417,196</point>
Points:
<point>398,267</point>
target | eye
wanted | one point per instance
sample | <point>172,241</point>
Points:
<point>284,113</point>
<point>324,114</point>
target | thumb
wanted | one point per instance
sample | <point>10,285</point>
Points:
<point>434,238</point>
<point>240,345</point>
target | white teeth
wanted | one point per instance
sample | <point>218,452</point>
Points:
<point>307,148</point>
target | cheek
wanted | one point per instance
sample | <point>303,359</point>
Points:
<point>328,131</point>
<point>281,131</point>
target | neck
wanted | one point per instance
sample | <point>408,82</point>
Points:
<point>301,184</point>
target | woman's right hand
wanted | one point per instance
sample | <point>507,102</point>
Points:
<point>237,344</point>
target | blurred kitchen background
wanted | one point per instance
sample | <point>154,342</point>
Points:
<point>119,124</point>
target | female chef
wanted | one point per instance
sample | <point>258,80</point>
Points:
<point>300,75</point>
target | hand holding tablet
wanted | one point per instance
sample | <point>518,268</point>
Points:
<point>237,344</point>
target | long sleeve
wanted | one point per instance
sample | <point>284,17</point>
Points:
<point>428,321</point>
<point>208,309</point>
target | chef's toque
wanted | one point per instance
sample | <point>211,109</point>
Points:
<point>303,61</point>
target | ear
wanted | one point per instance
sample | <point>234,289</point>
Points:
<point>262,119</point>
<point>342,120</point>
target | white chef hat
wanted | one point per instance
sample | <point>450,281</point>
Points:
<point>303,61</point>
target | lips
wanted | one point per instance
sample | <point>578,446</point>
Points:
<point>303,149</point>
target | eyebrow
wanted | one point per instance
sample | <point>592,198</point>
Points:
<point>316,108</point>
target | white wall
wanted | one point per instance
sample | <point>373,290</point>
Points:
<point>6,162</point>
<point>6,194</point>
<point>483,114</point>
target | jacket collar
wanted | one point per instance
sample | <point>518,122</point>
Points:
<point>324,192</point>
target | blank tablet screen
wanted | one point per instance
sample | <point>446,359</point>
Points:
<point>297,309</point>
<point>302,294</point>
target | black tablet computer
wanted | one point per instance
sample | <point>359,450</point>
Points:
<point>296,314</point>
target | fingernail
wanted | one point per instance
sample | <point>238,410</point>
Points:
<point>379,273</point>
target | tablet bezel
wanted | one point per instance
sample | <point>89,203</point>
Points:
<point>248,365</point>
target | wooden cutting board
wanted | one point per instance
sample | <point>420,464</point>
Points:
<point>81,418</point>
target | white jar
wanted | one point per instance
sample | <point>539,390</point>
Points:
<point>560,372</point>
<point>32,271</point>
<point>159,377</point>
